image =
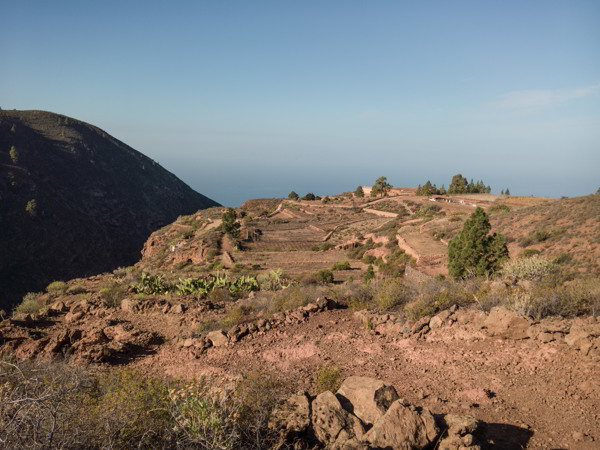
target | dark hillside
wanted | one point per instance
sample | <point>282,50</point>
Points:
<point>75,201</point>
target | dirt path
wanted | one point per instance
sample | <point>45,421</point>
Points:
<point>380,213</point>
<point>407,248</point>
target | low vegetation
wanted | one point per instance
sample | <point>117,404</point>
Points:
<point>329,378</point>
<point>202,286</point>
<point>53,405</point>
<point>31,304</point>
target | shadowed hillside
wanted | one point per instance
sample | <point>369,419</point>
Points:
<point>75,201</point>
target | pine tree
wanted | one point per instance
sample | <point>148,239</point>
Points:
<point>507,192</point>
<point>502,192</point>
<point>293,196</point>
<point>381,186</point>
<point>230,224</point>
<point>359,192</point>
<point>473,251</point>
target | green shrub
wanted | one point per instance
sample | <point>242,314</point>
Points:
<point>563,258</point>
<point>76,289</point>
<point>360,296</point>
<point>31,304</point>
<point>529,252</point>
<point>369,274</point>
<point>436,295</point>
<point>31,208</point>
<point>236,315</point>
<point>57,287</point>
<point>113,294</point>
<point>324,276</point>
<point>328,378</point>
<point>368,259</point>
<point>390,294</point>
<point>341,265</point>
<point>293,297</point>
<point>14,155</point>
<point>500,207</point>
<point>396,264</point>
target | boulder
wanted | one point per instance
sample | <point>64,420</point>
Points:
<point>504,323</point>
<point>218,338</point>
<point>291,419</point>
<point>366,398</point>
<point>402,428</point>
<point>333,425</point>
<point>435,322</point>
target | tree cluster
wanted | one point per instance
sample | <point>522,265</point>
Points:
<point>475,252</point>
<point>505,192</point>
<point>460,185</point>
<point>381,187</point>
<point>430,189</point>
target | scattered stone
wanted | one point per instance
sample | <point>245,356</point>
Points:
<point>58,307</point>
<point>218,338</point>
<point>178,308</point>
<point>130,305</point>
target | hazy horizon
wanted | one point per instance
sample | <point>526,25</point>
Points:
<point>243,100</point>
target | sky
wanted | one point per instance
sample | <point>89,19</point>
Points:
<point>247,99</point>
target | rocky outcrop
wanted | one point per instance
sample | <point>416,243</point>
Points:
<point>364,414</point>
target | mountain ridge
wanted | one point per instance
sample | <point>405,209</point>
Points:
<point>75,201</point>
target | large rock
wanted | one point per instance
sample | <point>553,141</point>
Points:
<point>218,338</point>
<point>291,419</point>
<point>584,334</point>
<point>402,428</point>
<point>367,398</point>
<point>333,425</point>
<point>504,323</point>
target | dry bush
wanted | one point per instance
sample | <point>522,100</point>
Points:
<point>436,295</point>
<point>329,378</point>
<point>532,268</point>
<point>390,294</point>
<point>296,296</point>
<point>57,287</point>
<point>31,304</point>
<point>44,406</point>
<point>580,297</point>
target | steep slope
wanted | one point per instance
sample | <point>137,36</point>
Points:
<point>568,228</point>
<point>75,201</point>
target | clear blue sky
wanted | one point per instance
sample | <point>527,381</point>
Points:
<point>245,99</point>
